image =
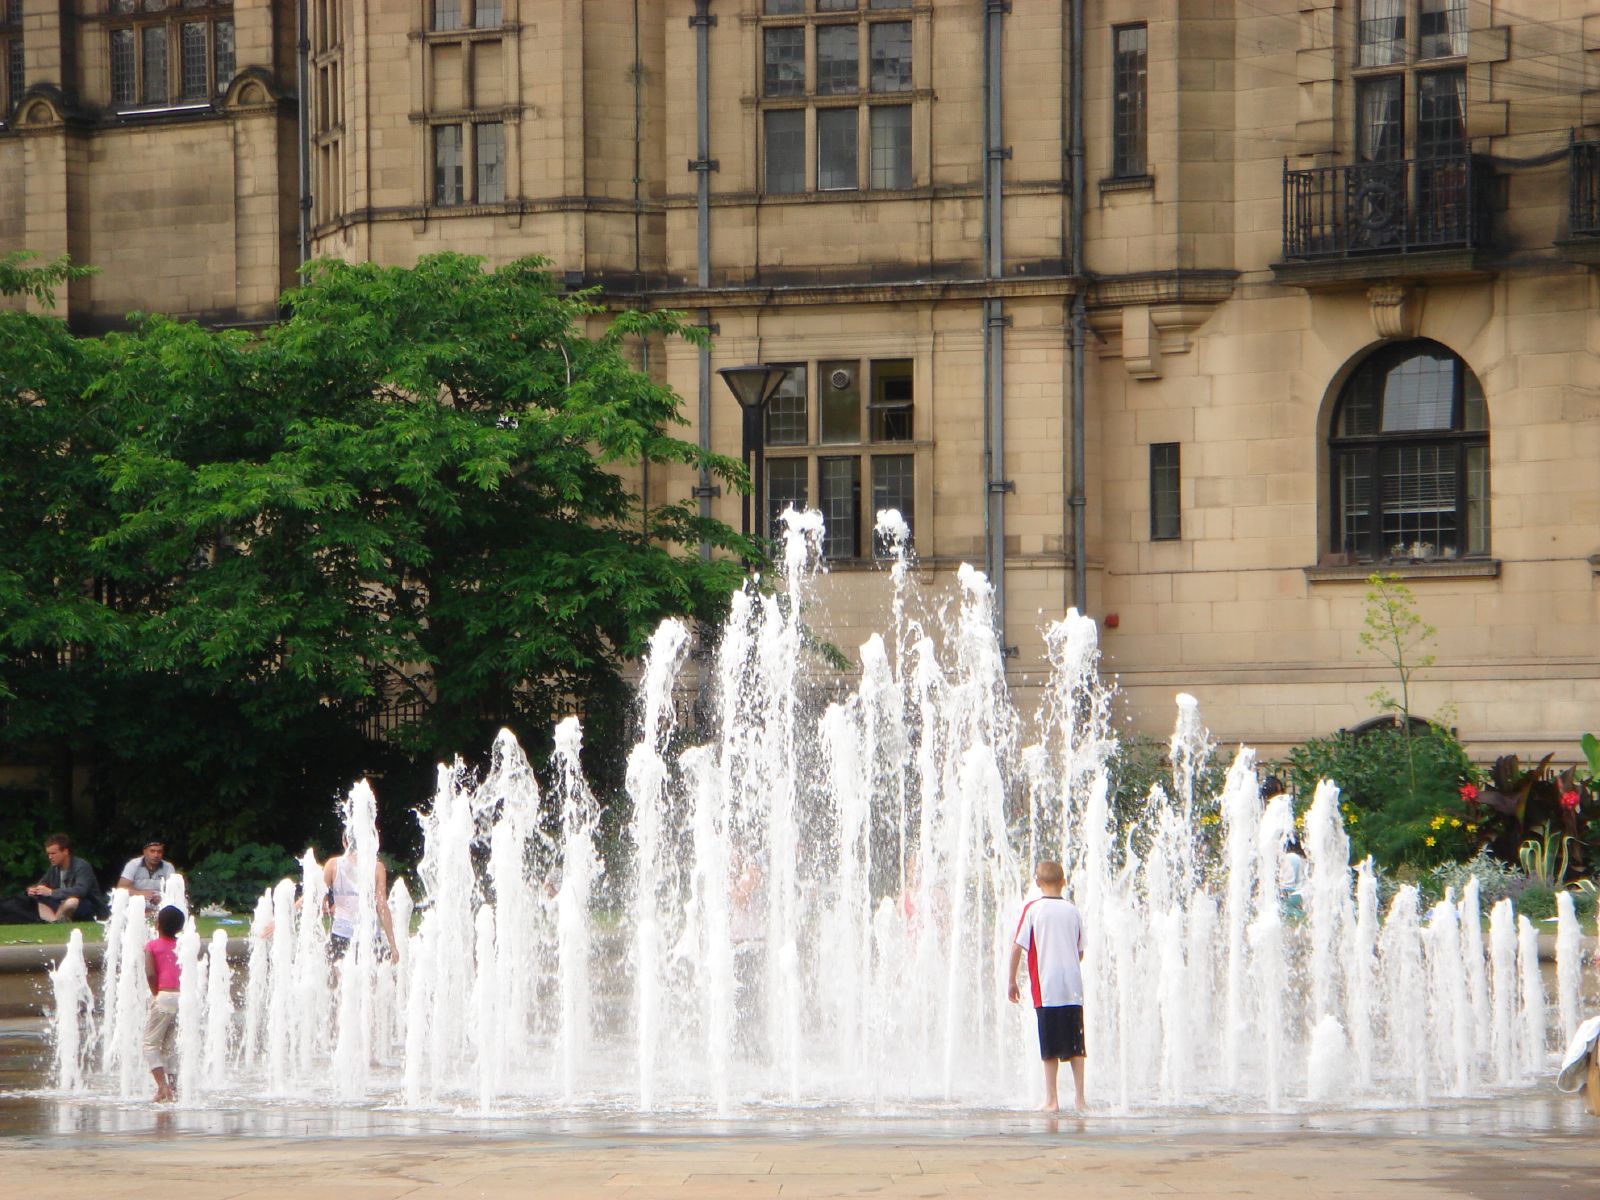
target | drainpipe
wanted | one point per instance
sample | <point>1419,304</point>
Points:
<point>996,486</point>
<point>702,166</point>
<point>1076,500</point>
<point>302,82</point>
<point>638,249</point>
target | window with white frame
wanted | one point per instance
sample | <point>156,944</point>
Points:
<point>839,438</point>
<point>836,89</point>
<point>169,53</point>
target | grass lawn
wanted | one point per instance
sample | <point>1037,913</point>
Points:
<point>93,931</point>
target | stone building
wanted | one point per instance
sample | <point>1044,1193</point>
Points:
<point>1332,282</point>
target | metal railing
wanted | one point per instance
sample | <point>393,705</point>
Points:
<point>1584,176</point>
<point>1399,207</point>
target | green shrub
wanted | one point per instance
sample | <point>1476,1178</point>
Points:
<point>1536,902</point>
<point>25,821</point>
<point>1385,816</point>
<point>1496,880</point>
<point>234,878</point>
<point>1140,762</point>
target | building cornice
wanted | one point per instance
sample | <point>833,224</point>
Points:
<point>921,290</point>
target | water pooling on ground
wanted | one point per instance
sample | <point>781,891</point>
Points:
<point>812,910</point>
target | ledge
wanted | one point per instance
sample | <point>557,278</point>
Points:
<point>1417,266</point>
<point>1454,568</point>
<point>1127,183</point>
<point>1584,250</point>
<point>1594,563</point>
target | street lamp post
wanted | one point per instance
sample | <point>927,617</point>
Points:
<point>753,386</point>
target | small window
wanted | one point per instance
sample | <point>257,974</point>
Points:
<point>889,51</point>
<point>153,64</point>
<point>490,159</point>
<point>893,486</point>
<point>447,166</point>
<point>446,14</point>
<point>1381,33</point>
<point>786,488</point>
<point>839,488</point>
<point>15,79</point>
<point>838,60</point>
<point>839,401</point>
<point>891,407</point>
<point>786,412</point>
<point>1128,119</point>
<point>784,8</point>
<point>193,66</point>
<point>889,4</point>
<point>13,12</point>
<point>836,5</point>
<point>122,67</point>
<point>891,147</point>
<point>1165,506</point>
<point>223,52</point>
<point>1441,114</point>
<point>1442,28</point>
<point>486,14</point>
<point>786,150</point>
<point>784,70</point>
<point>1380,119</point>
<point>836,149</point>
<point>120,6</point>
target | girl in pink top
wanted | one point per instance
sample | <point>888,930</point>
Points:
<point>161,1026</point>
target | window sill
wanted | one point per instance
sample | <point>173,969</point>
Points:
<point>1127,183</point>
<point>184,108</point>
<point>1451,568</point>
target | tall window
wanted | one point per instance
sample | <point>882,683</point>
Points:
<point>448,165</point>
<point>1403,49</point>
<point>842,49</point>
<point>1409,449</point>
<point>1130,100</point>
<point>168,53</point>
<point>12,79</point>
<point>839,436</point>
<point>1166,520</point>
<point>489,162</point>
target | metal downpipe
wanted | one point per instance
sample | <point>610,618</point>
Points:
<point>995,484</point>
<point>1077,500</point>
<point>302,72</point>
<point>702,22</point>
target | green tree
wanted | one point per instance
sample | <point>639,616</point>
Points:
<point>408,488</point>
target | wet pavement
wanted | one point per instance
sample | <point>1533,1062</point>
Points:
<point>1531,1143</point>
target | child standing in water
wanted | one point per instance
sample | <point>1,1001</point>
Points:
<point>1051,932</point>
<point>161,1026</point>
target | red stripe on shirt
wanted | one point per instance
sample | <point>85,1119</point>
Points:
<point>1033,955</point>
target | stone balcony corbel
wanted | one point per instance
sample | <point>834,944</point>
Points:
<point>1143,318</point>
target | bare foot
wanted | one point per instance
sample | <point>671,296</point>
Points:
<point>1049,1106</point>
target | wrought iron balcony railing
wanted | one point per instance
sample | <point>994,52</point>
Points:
<point>1402,207</point>
<point>1585,182</point>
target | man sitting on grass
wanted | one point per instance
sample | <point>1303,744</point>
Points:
<point>67,892</point>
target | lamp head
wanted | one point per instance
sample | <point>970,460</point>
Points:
<point>753,385</point>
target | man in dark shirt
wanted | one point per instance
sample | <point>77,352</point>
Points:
<point>68,891</point>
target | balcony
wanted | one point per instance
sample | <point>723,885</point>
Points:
<point>1582,242</point>
<point>1412,219</point>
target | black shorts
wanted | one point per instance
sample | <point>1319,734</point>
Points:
<point>1061,1031</point>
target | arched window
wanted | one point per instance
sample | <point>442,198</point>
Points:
<point>1409,451</point>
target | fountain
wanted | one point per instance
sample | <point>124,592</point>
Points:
<point>812,903</point>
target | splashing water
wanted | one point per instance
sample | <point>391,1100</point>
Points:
<point>813,903</point>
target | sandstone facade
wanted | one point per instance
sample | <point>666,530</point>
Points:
<point>1276,191</point>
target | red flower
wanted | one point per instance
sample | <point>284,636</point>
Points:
<point>1569,800</point>
<point>1469,792</point>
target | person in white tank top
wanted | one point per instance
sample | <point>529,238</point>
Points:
<point>344,901</point>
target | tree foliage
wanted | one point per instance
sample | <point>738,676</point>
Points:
<point>232,552</point>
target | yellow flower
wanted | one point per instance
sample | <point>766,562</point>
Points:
<point>1472,829</point>
<point>1455,823</point>
<point>1436,823</point>
<point>1427,841</point>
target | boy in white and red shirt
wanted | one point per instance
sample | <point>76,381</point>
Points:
<point>1051,933</point>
